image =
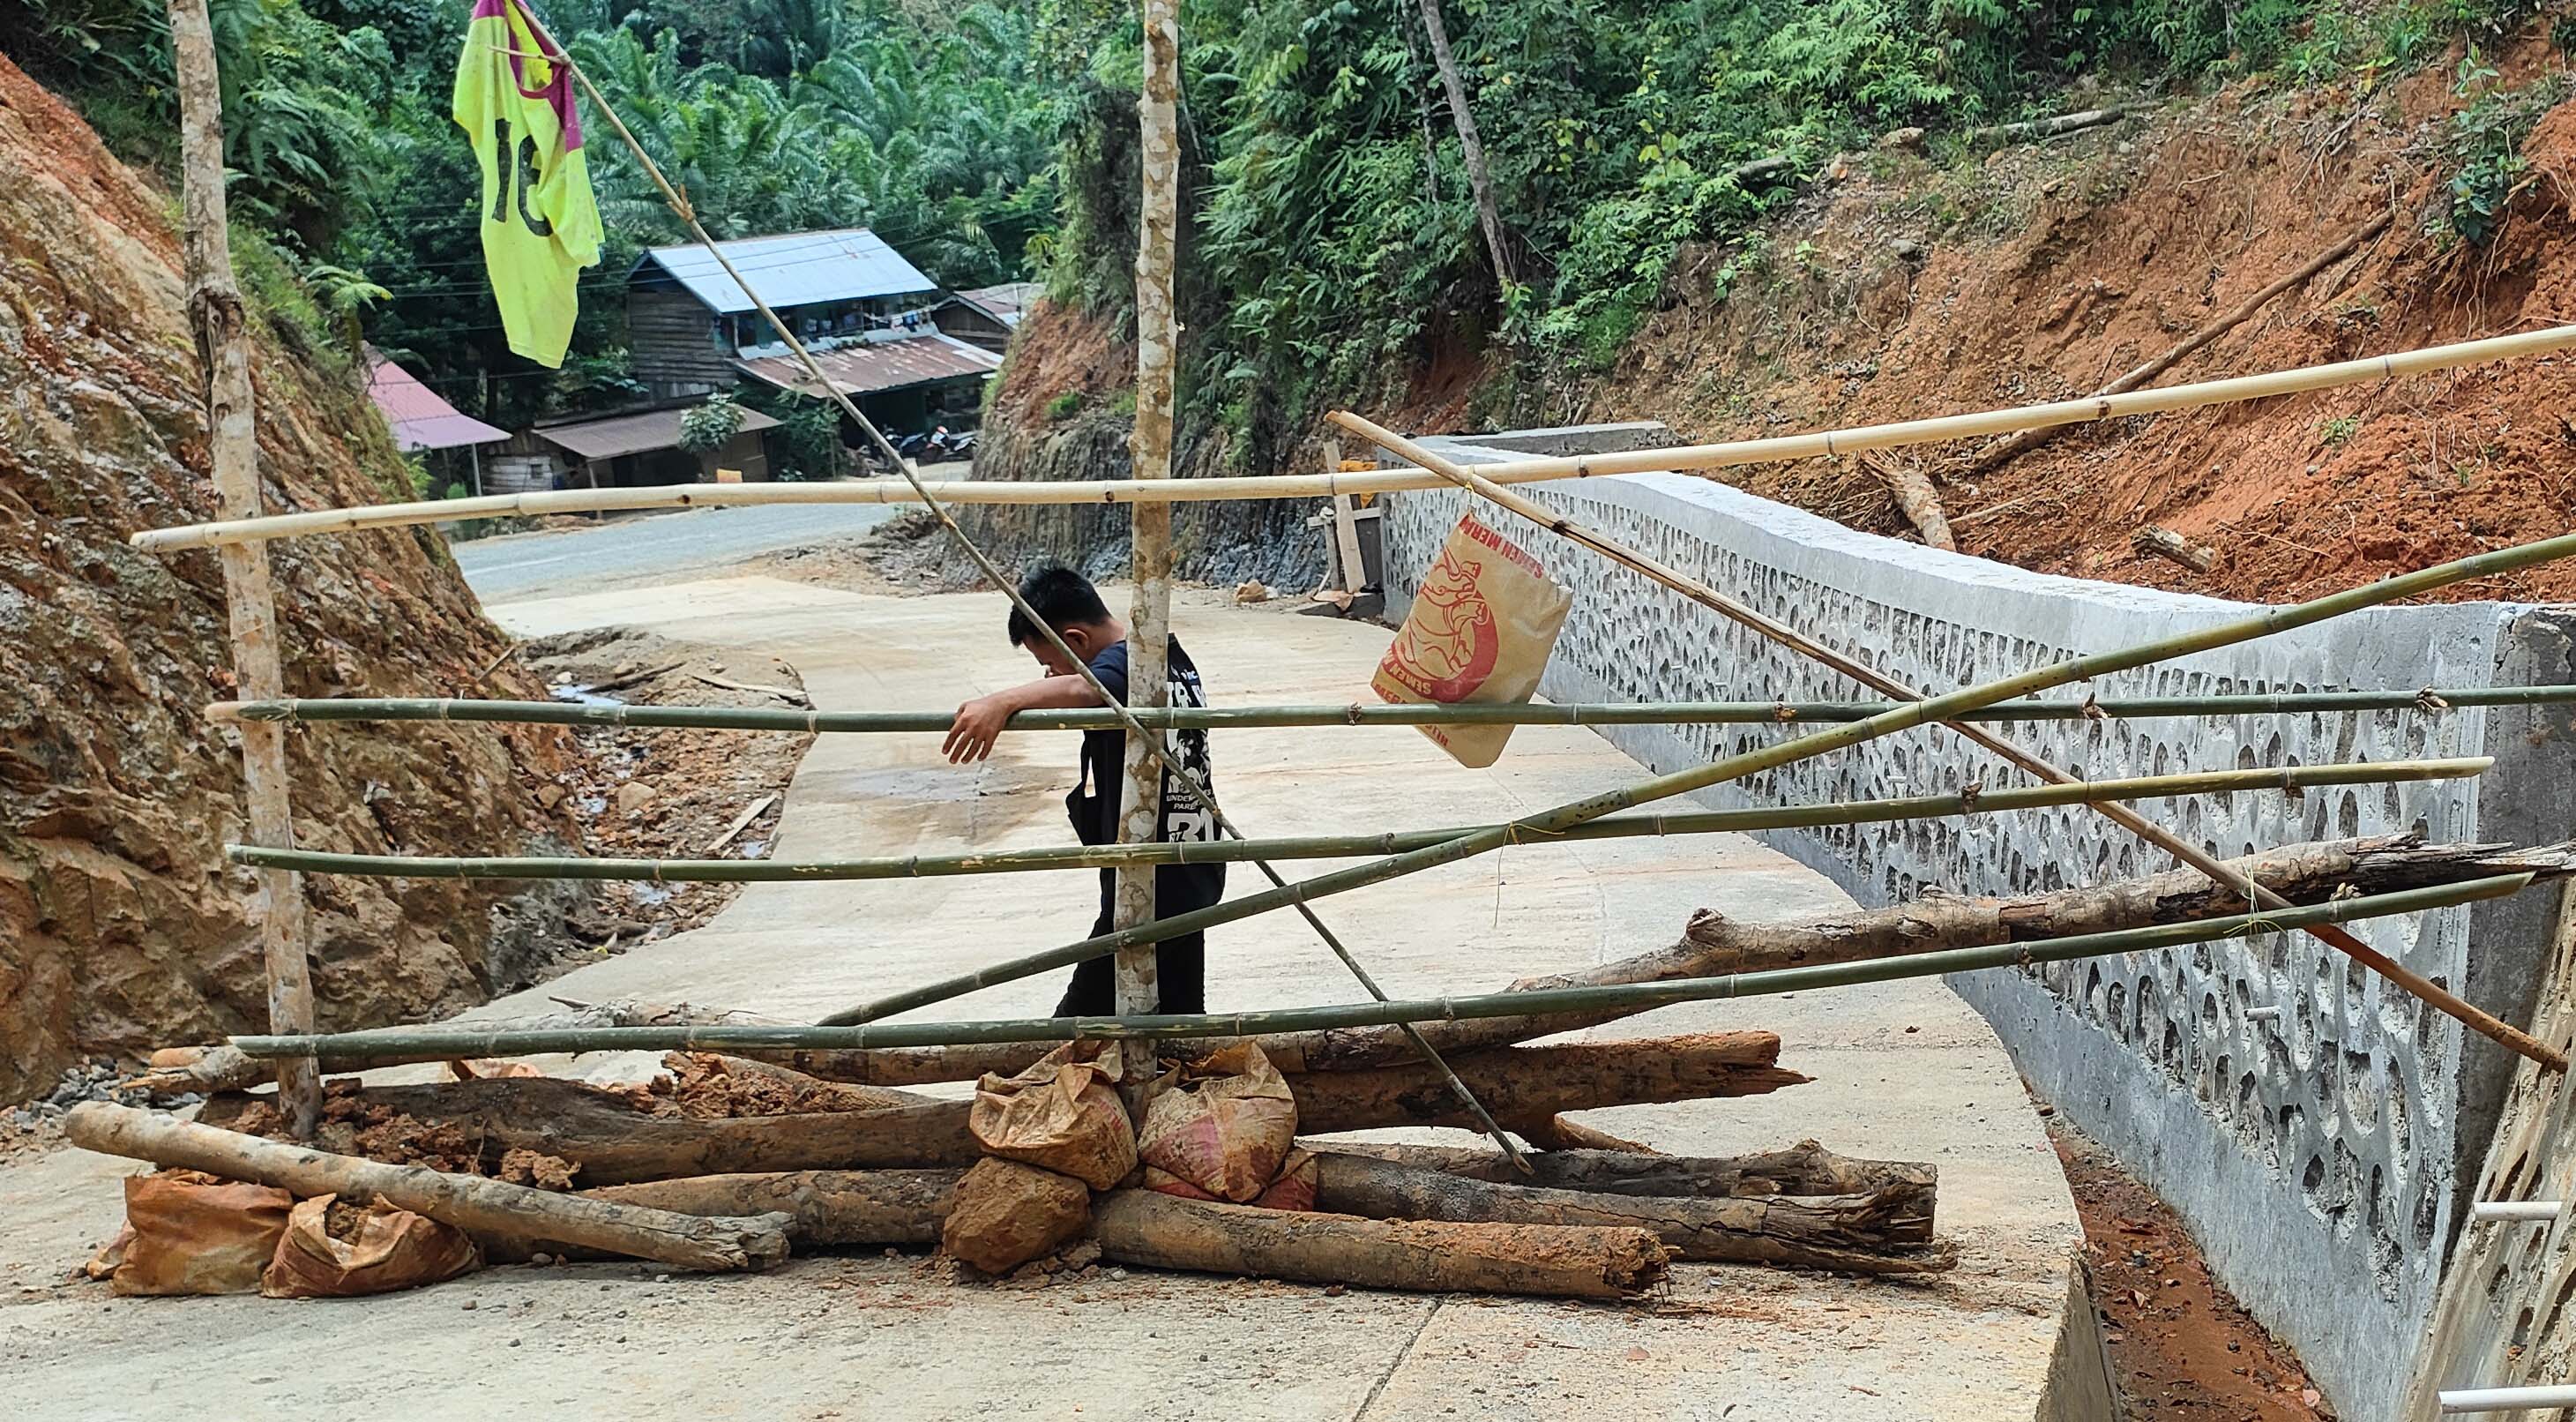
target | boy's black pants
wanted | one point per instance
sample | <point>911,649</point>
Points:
<point>1180,964</point>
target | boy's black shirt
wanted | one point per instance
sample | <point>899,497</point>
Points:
<point>1178,888</point>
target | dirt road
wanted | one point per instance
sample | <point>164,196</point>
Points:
<point>1902,1070</point>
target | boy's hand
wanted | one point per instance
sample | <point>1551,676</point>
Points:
<point>978,724</point>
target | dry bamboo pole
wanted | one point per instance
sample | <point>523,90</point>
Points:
<point>2027,440</point>
<point>1562,817</point>
<point>2431,699</point>
<point>215,310</point>
<point>1149,617</point>
<point>1137,734</point>
<point>2416,984</point>
<point>1343,846</point>
<point>468,1202</point>
<point>1724,455</point>
<point>451,1042</point>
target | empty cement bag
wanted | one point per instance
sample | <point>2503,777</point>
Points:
<point>333,1251</point>
<point>1479,634</point>
<point>1062,1114</point>
<point>1301,1178</point>
<point>196,1234</point>
<point>1221,1125</point>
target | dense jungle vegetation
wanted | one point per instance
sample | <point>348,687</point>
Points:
<point>1331,218</point>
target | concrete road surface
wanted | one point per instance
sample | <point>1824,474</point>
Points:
<point>627,550</point>
<point>1901,1070</point>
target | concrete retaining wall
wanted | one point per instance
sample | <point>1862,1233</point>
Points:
<point>2318,1154</point>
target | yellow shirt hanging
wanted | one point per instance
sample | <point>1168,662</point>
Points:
<point>540,224</point>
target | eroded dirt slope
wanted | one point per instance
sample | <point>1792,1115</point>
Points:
<point>121,927</point>
<point>1909,288</point>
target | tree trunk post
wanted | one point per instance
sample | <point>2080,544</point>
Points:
<point>215,310</point>
<point>1149,617</point>
<point>1479,178</point>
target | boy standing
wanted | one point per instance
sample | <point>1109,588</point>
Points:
<point>1072,606</point>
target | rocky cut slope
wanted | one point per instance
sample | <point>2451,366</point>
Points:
<point>121,926</point>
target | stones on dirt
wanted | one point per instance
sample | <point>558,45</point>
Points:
<point>1006,1214</point>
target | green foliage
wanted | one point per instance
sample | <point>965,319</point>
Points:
<point>1064,406</point>
<point>2339,431</point>
<point>708,426</point>
<point>807,443</point>
<point>2483,146</point>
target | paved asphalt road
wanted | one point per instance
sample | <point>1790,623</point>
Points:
<point>637,549</point>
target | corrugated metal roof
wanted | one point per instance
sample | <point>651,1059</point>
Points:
<point>1005,303</point>
<point>634,434</point>
<point>870,367</point>
<point>419,419</point>
<point>795,269</point>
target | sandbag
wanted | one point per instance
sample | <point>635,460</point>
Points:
<point>335,1251</point>
<point>196,1234</point>
<point>1300,1182</point>
<point>1004,1214</point>
<point>1479,633</point>
<point>1223,1124</point>
<point>1061,1114</point>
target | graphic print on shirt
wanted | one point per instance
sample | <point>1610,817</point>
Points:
<point>1185,820</point>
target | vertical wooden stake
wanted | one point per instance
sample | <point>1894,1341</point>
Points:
<point>215,310</point>
<point>1149,619</point>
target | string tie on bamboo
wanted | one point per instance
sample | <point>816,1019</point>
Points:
<point>2429,701</point>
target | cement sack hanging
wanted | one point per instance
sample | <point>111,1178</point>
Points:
<point>1479,633</point>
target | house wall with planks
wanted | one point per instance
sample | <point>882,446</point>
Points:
<point>2322,1151</point>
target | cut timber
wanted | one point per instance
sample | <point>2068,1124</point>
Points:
<point>1915,498</point>
<point>2051,127</point>
<point>1803,1169</point>
<point>1165,1232</point>
<point>468,1202</point>
<point>1881,1232</point>
<point>2162,542</point>
<point>1526,1086</point>
<point>836,1207</point>
<point>2029,439</point>
<point>740,823</point>
<point>620,683</point>
<point>788,694</point>
<point>1566,1133</point>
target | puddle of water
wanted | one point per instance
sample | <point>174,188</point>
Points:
<point>583,696</point>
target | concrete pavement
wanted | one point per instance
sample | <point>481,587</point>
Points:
<point>628,549</point>
<point>1902,1070</point>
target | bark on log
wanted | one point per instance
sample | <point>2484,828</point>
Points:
<point>1915,498</point>
<point>1885,1231</point>
<point>2052,127</point>
<point>2158,541</point>
<point>844,1207</point>
<point>469,1203</point>
<point>1803,1169</point>
<point>1140,1227</point>
<point>613,1143</point>
<point>2235,316</point>
<point>1558,1133</point>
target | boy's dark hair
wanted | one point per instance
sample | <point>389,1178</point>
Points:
<point>1063,597</point>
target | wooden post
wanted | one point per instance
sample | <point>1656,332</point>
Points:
<point>215,310</point>
<point>1149,617</point>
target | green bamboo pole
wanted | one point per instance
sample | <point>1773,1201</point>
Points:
<point>1903,717</point>
<point>1641,713</point>
<point>1343,846</point>
<point>445,1043</point>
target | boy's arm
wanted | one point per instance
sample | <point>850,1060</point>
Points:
<point>979,722</point>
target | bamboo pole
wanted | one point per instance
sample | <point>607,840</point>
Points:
<point>1345,846</point>
<point>215,310</point>
<point>1562,817</point>
<point>452,1042</point>
<point>2416,984</point>
<point>2429,700</point>
<point>1724,455</point>
<point>1149,617</point>
<point>1137,734</point>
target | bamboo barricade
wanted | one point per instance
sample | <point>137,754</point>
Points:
<point>1137,735</point>
<point>1735,767</point>
<point>457,1043</point>
<point>1344,846</point>
<point>320,710</point>
<point>1723,455</point>
<point>232,439</point>
<point>2256,896</point>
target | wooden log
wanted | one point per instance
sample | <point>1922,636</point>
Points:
<point>1882,1232</point>
<point>1140,1227</point>
<point>823,1207</point>
<point>1915,498</point>
<point>2022,442</point>
<point>468,1202</point>
<point>2156,540</point>
<point>613,1143</point>
<point>2033,129</point>
<point>1558,1133</point>
<point>1803,1169</point>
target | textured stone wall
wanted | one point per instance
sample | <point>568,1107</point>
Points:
<point>2316,1153</point>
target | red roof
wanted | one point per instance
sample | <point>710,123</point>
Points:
<point>867,367</point>
<point>420,420</point>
